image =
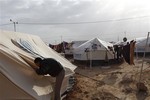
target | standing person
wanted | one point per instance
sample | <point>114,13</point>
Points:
<point>126,52</point>
<point>55,69</point>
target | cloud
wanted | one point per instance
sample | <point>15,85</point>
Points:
<point>72,11</point>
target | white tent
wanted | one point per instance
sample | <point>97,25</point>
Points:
<point>17,79</point>
<point>75,44</point>
<point>94,49</point>
<point>140,44</point>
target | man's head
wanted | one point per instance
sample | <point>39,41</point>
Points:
<point>37,61</point>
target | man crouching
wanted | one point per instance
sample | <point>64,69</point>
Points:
<point>55,69</point>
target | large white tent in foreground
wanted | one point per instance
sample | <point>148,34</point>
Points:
<point>94,49</point>
<point>17,79</point>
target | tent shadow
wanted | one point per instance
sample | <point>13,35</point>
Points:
<point>141,95</point>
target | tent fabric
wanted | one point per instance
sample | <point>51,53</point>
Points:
<point>74,45</point>
<point>17,53</point>
<point>77,43</point>
<point>140,44</point>
<point>94,49</point>
<point>13,91</point>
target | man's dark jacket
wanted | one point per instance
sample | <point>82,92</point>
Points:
<point>49,66</point>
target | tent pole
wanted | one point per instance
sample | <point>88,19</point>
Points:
<point>143,57</point>
<point>136,51</point>
<point>91,58</point>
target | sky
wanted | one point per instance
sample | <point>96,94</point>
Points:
<point>73,20</point>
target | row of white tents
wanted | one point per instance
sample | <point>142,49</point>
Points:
<point>96,49</point>
<point>17,52</point>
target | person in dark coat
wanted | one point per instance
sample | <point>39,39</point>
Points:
<point>55,69</point>
<point>126,52</point>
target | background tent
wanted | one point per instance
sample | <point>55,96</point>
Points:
<point>77,43</point>
<point>94,49</point>
<point>17,79</point>
<point>140,45</point>
<point>74,44</point>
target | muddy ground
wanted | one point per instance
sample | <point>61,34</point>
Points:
<point>112,82</point>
